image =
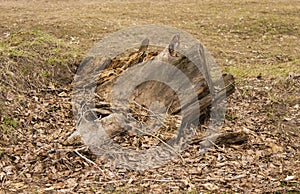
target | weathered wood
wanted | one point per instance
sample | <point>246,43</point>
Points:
<point>193,106</point>
<point>222,139</point>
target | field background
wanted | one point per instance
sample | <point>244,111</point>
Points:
<point>43,42</point>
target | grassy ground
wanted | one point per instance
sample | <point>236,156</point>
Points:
<point>42,43</point>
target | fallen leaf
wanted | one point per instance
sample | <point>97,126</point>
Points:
<point>274,148</point>
<point>210,186</point>
<point>288,178</point>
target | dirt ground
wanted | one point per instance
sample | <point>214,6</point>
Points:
<point>43,42</point>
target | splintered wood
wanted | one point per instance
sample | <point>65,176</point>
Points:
<point>153,110</point>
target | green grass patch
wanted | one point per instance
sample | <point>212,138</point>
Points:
<point>281,70</point>
<point>7,123</point>
<point>38,58</point>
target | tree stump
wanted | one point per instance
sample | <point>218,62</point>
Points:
<point>143,96</point>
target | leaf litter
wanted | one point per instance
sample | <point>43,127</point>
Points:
<point>36,120</point>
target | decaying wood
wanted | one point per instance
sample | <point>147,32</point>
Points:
<point>222,139</point>
<point>192,106</point>
<point>167,97</point>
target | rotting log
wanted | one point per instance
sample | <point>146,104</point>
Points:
<point>103,73</point>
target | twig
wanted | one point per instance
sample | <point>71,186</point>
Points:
<point>164,180</point>
<point>139,114</point>
<point>65,150</point>
<point>154,114</point>
<point>162,141</point>
<point>108,182</point>
<point>226,86</point>
<point>169,106</point>
<point>89,161</point>
<point>115,174</point>
<point>222,179</point>
<point>213,143</point>
<point>236,177</point>
<point>52,90</point>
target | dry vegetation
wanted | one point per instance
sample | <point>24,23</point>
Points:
<point>42,43</point>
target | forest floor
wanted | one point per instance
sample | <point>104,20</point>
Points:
<point>43,42</point>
